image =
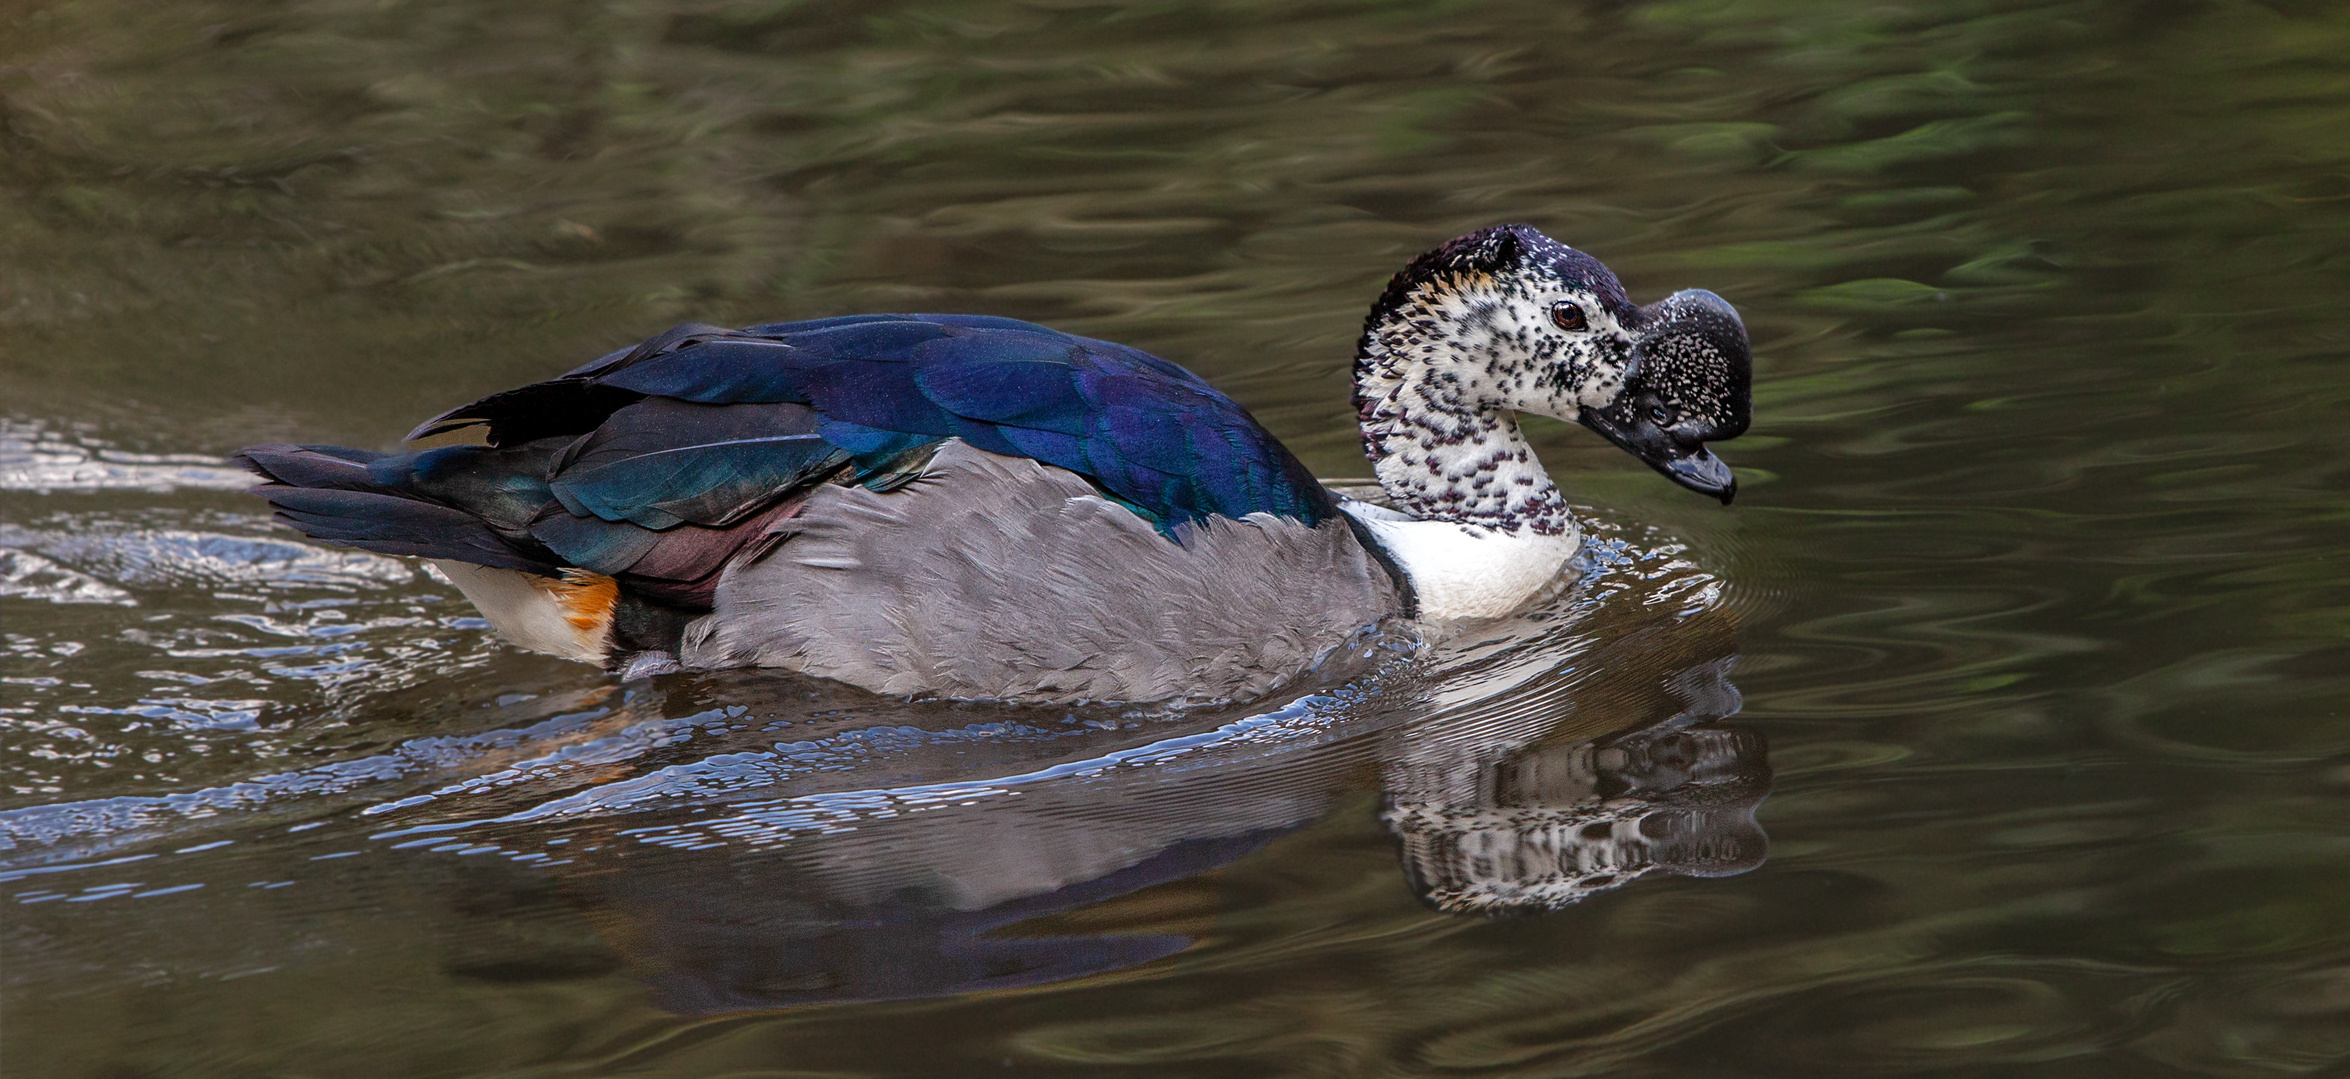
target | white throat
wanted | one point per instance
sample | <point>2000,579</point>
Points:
<point>1465,571</point>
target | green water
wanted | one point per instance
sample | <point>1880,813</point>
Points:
<point>1998,729</point>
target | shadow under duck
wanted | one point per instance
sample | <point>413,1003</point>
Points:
<point>977,507</point>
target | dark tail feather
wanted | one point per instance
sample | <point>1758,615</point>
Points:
<point>329,494</point>
<point>389,524</point>
<point>339,468</point>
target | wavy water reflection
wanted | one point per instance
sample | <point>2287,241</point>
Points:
<point>865,849</point>
<point>2037,569</point>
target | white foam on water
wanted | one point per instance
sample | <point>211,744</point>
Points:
<point>200,557</point>
<point>35,459</point>
<point>25,575</point>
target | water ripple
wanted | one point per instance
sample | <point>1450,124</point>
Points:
<point>37,459</point>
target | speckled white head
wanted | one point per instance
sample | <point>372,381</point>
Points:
<point>1495,323</point>
<point>1523,322</point>
<point>1506,320</point>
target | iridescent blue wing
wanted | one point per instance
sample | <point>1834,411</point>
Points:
<point>1147,432</point>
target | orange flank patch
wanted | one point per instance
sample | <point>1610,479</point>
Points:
<point>586,598</point>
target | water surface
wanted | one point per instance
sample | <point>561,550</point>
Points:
<point>1998,729</point>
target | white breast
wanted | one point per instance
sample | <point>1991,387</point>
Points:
<point>1466,571</point>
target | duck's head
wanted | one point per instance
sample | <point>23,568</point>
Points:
<point>1507,319</point>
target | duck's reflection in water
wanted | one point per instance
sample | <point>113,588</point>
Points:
<point>1522,831</point>
<point>1527,812</point>
<point>768,936</point>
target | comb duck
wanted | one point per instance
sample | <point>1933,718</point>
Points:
<point>974,507</point>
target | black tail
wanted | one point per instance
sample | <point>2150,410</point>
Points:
<point>368,500</point>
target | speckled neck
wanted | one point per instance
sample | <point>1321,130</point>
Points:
<point>1429,375</point>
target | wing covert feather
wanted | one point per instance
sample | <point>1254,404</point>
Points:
<point>878,386</point>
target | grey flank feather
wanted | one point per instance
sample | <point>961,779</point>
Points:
<point>998,578</point>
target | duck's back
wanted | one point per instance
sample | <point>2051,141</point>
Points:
<point>1140,428</point>
<point>952,505</point>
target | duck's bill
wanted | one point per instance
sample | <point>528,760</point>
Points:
<point>1687,463</point>
<point>1703,473</point>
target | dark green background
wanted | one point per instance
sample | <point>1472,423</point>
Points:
<point>2040,572</point>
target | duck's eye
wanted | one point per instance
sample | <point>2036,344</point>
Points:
<point>1569,316</point>
<point>1662,417</point>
